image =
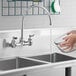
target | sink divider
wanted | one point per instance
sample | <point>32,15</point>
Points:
<point>53,58</point>
<point>17,65</point>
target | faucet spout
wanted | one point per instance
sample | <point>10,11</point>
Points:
<point>48,13</point>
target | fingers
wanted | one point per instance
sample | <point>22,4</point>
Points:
<point>73,32</point>
<point>66,44</point>
<point>71,47</point>
<point>69,41</point>
<point>69,33</point>
<point>67,47</point>
<point>63,44</point>
<point>65,38</point>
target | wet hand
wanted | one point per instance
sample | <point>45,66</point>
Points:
<point>69,41</point>
<point>72,32</point>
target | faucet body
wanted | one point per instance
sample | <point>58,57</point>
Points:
<point>22,27</point>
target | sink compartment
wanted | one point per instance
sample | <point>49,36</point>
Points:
<point>8,64</point>
<point>55,57</point>
<point>27,63</point>
<point>15,63</point>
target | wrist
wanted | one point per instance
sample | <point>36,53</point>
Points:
<point>75,37</point>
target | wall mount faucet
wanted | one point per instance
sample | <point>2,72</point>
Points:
<point>22,42</point>
<point>22,27</point>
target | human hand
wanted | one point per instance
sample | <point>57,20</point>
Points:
<point>72,32</point>
<point>68,42</point>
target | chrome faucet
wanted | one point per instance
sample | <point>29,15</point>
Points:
<point>22,42</point>
<point>22,27</point>
<point>13,42</point>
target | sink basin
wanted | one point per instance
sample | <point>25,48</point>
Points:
<point>8,64</point>
<point>26,63</point>
<point>55,57</point>
<point>14,63</point>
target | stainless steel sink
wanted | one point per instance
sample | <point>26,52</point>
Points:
<point>7,64</point>
<point>14,63</point>
<point>55,57</point>
<point>26,63</point>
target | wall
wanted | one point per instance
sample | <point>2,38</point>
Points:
<point>66,18</point>
<point>40,43</point>
<point>15,22</point>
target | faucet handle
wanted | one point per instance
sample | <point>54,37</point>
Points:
<point>31,35</point>
<point>15,37</point>
<point>30,40</point>
<point>13,42</point>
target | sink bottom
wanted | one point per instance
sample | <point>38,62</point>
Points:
<point>14,63</point>
<point>55,57</point>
